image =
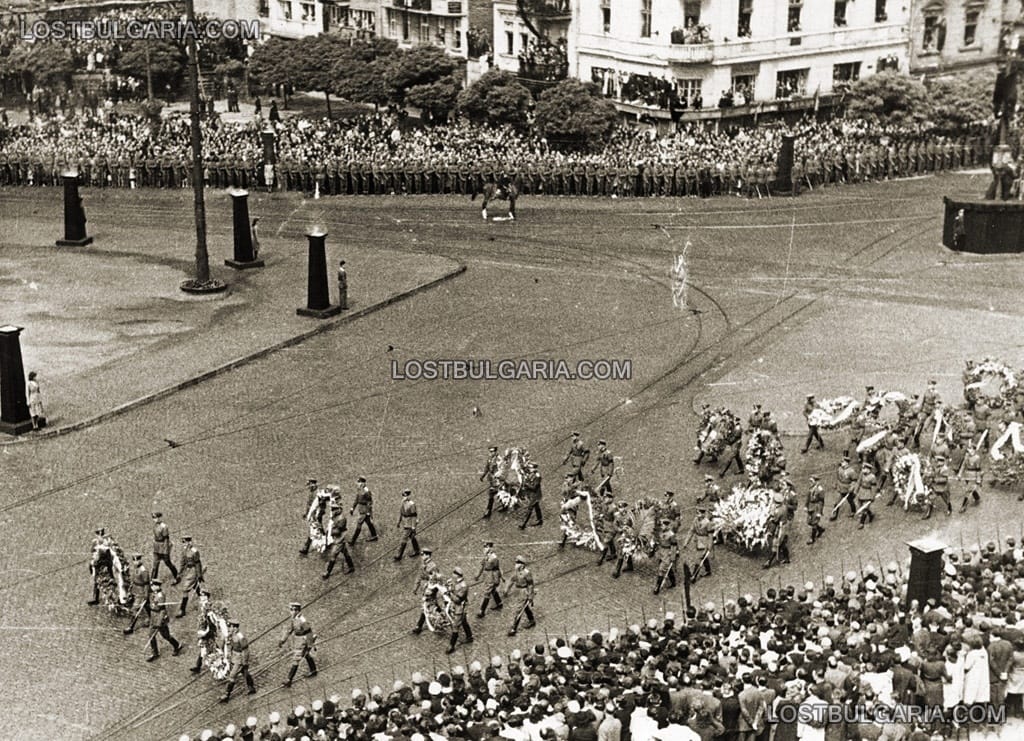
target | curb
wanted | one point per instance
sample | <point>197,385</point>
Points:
<point>238,362</point>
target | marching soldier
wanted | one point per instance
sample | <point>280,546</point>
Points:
<point>490,570</point>
<point>239,646</point>
<point>778,526</point>
<point>162,547</point>
<point>971,468</point>
<point>99,538</point>
<point>364,505</point>
<point>667,561</point>
<point>926,416</point>
<point>867,492</point>
<point>733,446</point>
<point>460,599</point>
<point>312,487</point>
<point>939,486</point>
<point>570,505</point>
<point>702,537</point>
<point>846,477</point>
<point>812,429</point>
<point>191,570</point>
<point>407,523</point>
<point>613,522</point>
<point>158,622</point>
<point>532,485</point>
<point>605,466</point>
<point>302,641</point>
<point>577,456</point>
<point>490,469</point>
<point>712,491</point>
<point>815,507</point>
<point>206,634</point>
<point>140,589</point>
<point>429,573</point>
<point>339,524</point>
<point>522,582</point>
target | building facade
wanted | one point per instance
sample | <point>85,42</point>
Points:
<point>441,23</point>
<point>947,35</point>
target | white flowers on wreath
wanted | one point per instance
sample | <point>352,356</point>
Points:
<point>830,414</point>
<point>976,378</point>
<point>742,517</point>
<point>585,536</point>
<point>909,474</point>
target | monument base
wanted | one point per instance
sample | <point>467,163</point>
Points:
<point>332,310</point>
<point>989,226</point>
<point>244,264</point>
<point>74,242</point>
<point>17,428</point>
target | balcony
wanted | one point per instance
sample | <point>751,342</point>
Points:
<point>690,53</point>
<point>837,38</point>
<point>433,7</point>
<point>548,9</point>
<point>543,71</point>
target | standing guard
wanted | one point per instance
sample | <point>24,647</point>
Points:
<point>407,518</point>
<point>460,599</point>
<point>158,621</point>
<point>162,547</point>
<point>490,570</point>
<point>364,505</point>
<point>338,547</point>
<point>613,523</point>
<point>815,507</point>
<point>140,590</point>
<point>206,633</point>
<point>489,474</point>
<point>239,646</point>
<point>778,527</point>
<point>926,415</point>
<point>812,429</point>
<point>302,638</point>
<point>522,582</point>
<point>712,491</point>
<point>191,570</point>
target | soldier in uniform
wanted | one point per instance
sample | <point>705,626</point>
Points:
<point>613,521</point>
<point>702,537</point>
<point>668,556</point>
<point>364,504</point>
<point>846,477</point>
<point>99,538</point>
<point>206,635</point>
<point>339,524</point>
<point>971,474</point>
<point>191,570</point>
<point>577,456</point>
<point>140,590</point>
<point>812,429</point>
<point>429,573</point>
<point>158,621</point>
<point>712,491</point>
<point>532,486</point>
<point>605,466</point>
<point>407,523</point>
<point>162,547</point>
<point>522,582</point>
<point>778,526</point>
<point>460,599</point>
<point>311,486</point>
<point>299,632</point>
<point>490,571</point>
<point>815,507</point>
<point>939,485</point>
<point>490,469</point>
<point>733,445</point>
<point>239,652</point>
<point>926,416</point>
<point>867,487</point>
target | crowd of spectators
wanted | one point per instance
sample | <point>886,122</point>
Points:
<point>846,659</point>
<point>379,154</point>
<point>545,60</point>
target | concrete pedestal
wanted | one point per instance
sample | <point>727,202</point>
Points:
<point>245,256</point>
<point>74,214</point>
<point>925,581</point>
<point>318,302</point>
<point>14,416</point>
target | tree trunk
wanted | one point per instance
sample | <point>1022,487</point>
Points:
<point>202,256</point>
<point>327,95</point>
<point>149,75</point>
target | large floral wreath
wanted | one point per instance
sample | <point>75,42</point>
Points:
<point>214,649</point>
<point>764,451</point>
<point>714,430</point>
<point>830,414</point>
<point>641,530</point>
<point>511,472</point>
<point>320,534</point>
<point>742,517</point>
<point>112,573</point>
<point>978,377</point>
<point>438,606</point>
<point>1008,461</point>
<point>909,474</point>
<point>584,535</point>
<point>955,422</point>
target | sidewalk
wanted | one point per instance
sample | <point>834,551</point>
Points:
<point>107,327</point>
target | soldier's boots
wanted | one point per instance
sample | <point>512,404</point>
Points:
<point>291,676</point>
<point>184,604</point>
<point>198,667</point>
<point>928,511</point>
<point>95,596</point>
<point>977,500</point>
<point>401,551</point>
<point>227,692</point>
<point>327,572</point>
<point>565,539</point>
<point>153,656</point>
<point>312,667</point>
<point>415,547</point>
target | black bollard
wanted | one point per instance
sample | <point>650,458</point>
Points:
<point>926,568</point>
<point>74,214</point>
<point>14,415</point>
<point>245,256</point>
<point>319,301</point>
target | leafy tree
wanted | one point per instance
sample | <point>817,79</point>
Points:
<point>156,62</point>
<point>435,99</point>
<point>421,65</point>
<point>41,64</point>
<point>496,98</point>
<point>274,63</point>
<point>317,58</point>
<point>361,74</point>
<point>573,114</point>
<point>889,97</point>
<point>957,102</point>
<point>216,50</point>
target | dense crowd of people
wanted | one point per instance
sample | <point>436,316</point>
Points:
<point>376,154</point>
<point>844,659</point>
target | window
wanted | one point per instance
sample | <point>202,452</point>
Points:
<point>308,12</point>
<point>880,15</point>
<point>425,35</point>
<point>839,15</point>
<point>970,27</point>
<point>791,82</point>
<point>743,22</point>
<point>688,89</point>
<point>606,15</point>
<point>848,72</point>
<point>691,13</point>
<point>286,9</point>
<point>392,24</point>
<point>891,62</point>
<point>645,19</point>
<point>524,41</point>
<point>264,8</point>
<point>743,88</point>
<point>509,43</point>
<point>793,21</point>
<point>457,39</point>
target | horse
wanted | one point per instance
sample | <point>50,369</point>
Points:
<point>494,192</point>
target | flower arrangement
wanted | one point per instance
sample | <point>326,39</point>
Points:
<point>1008,464</point>
<point>714,429</point>
<point>830,414</point>
<point>213,643</point>
<point>977,378</point>
<point>511,471</point>
<point>742,517</point>
<point>319,534</point>
<point>112,572</point>
<point>585,535</point>
<point>641,531</point>
<point>909,474</point>
<point>764,452</point>
<point>437,606</point>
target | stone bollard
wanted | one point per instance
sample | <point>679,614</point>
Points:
<point>74,214</point>
<point>245,254</point>
<point>14,415</point>
<point>318,303</point>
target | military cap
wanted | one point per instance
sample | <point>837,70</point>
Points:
<point>940,459</point>
<point>294,605</point>
<point>575,434</point>
<point>101,531</point>
<point>136,556</point>
<point>869,389</point>
<point>310,482</point>
<point>570,475</point>
<point>234,622</point>
<point>932,382</point>
<point>670,493</point>
<point>814,477</point>
<point>707,477</point>
<point>427,551</point>
<point>521,559</point>
<point>601,442</point>
<point>493,448</point>
<point>407,493</point>
<point>158,514</point>
<point>186,538</point>
<point>457,571</point>
<point>810,396</point>
<point>702,508</point>
<point>488,543</point>
<point>155,582</point>
<point>361,480</point>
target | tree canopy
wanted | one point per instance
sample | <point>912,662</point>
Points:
<point>573,114</point>
<point>496,98</point>
<point>890,97</point>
